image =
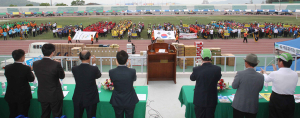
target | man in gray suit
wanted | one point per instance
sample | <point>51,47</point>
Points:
<point>248,84</point>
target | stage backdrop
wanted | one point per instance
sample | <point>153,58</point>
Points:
<point>166,35</point>
<point>83,35</point>
<point>188,35</point>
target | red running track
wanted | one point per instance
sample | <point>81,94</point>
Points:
<point>234,46</point>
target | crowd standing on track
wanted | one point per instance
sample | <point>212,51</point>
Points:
<point>222,29</point>
<point>24,29</point>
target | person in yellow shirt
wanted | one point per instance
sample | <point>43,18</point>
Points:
<point>69,39</point>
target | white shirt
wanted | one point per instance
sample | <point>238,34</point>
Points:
<point>284,81</point>
<point>276,31</point>
<point>233,31</point>
<point>262,30</point>
<point>211,31</point>
<point>239,31</point>
<point>54,31</point>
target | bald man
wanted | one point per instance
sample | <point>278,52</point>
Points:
<point>86,93</point>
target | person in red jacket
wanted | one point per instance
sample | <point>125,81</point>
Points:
<point>69,39</point>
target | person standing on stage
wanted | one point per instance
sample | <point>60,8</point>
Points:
<point>248,84</point>
<point>86,94</point>
<point>69,39</point>
<point>18,76</point>
<point>92,39</point>
<point>123,97</point>
<point>205,92</point>
<point>48,73</point>
<point>284,82</point>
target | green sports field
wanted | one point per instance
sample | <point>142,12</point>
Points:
<point>150,19</point>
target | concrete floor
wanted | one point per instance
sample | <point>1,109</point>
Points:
<point>162,95</point>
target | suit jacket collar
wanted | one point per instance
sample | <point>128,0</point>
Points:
<point>122,67</point>
<point>206,64</point>
<point>46,59</point>
<point>250,69</point>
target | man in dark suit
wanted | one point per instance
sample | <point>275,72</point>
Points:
<point>48,73</point>
<point>205,93</point>
<point>86,94</point>
<point>18,92</point>
<point>123,98</point>
<point>248,84</point>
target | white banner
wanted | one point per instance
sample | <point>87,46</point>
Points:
<point>188,35</point>
<point>24,27</point>
<point>83,35</point>
<point>288,49</point>
<point>166,35</point>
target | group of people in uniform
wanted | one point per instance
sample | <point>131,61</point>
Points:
<point>120,29</point>
<point>23,29</point>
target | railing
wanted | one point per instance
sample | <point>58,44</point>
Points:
<point>71,59</point>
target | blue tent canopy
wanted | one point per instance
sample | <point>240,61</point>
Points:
<point>270,68</point>
<point>157,10</point>
<point>216,10</point>
<point>290,46</point>
<point>138,10</point>
<point>196,10</point>
<point>236,10</point>
<point>148,10</point>
<point>176,10</point>
<point>205,10</point>
<point>167,10</point>
<point>260,10</point>
<point>285,10</point>
<point>272,10</point>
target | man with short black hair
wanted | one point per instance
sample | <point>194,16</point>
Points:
<point>86,93</point>
<point>205,93</point>
<point>18,92</point>
<point>284,82</point>
<point>248,84</point>
<point>50,93</point>
<point>124,97</point>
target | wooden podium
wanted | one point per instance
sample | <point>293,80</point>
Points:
<point>161,66</point>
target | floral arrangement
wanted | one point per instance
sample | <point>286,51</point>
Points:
<point>222,85</point>
<point>108,85</point>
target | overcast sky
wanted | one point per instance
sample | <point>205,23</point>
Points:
<point>111,2</point>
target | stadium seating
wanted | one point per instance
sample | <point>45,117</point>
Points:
<point>67,9</point>
<point>11,10</point>
<point>94,8</point>
<point>267,7</point>
<point>148,7</point>
<point>293,7</point>
<point>178,7</point>
<point>33,10</point>
<point>240,7</point>
<point>116,8</point>
<point>201,7</point>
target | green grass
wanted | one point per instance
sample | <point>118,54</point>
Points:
<point>150,19</point>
